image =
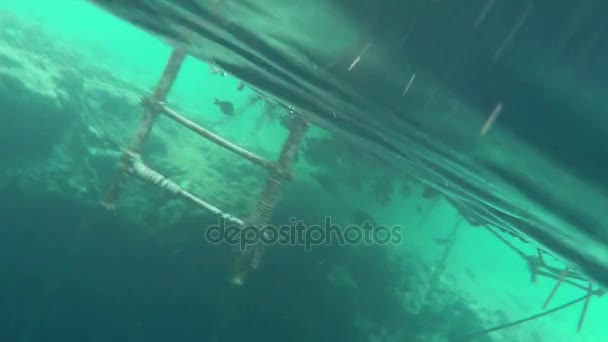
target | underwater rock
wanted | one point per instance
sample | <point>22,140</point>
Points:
<point>33,134</point>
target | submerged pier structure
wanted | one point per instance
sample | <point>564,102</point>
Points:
<point>245,260</point>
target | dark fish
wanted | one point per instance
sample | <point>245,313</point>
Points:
<point>241,86</point>
<point>225,106</point>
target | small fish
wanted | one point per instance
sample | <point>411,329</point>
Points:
<point>241,86</point>
<point>225,106</point>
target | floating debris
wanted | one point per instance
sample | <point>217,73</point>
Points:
<point>358,59</point>
<point>490,121</point>
<point>409,84</point>
<point>509,38</point>
<point>484,12</point>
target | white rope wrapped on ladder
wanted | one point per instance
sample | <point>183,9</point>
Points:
<point>150,175</point>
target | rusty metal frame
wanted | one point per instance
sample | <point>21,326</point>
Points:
<point>279,172</point>
<point>538,267</point>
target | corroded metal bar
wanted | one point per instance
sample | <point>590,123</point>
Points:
<point>263,212</point>
<point>160,92</point>
<point>141,170</point>
<point>218,140</point>
<point>248,259</point>
<point>581,320</point>
<point>560,280</point>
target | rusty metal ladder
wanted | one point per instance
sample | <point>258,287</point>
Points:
<point>244,260</point>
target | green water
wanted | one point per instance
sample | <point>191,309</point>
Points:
<point>70,81</point>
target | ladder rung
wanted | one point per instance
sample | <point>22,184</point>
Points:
<point>144,172</point>
<point>218,140</point>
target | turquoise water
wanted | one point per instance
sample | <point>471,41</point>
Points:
<point>397,140</point>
